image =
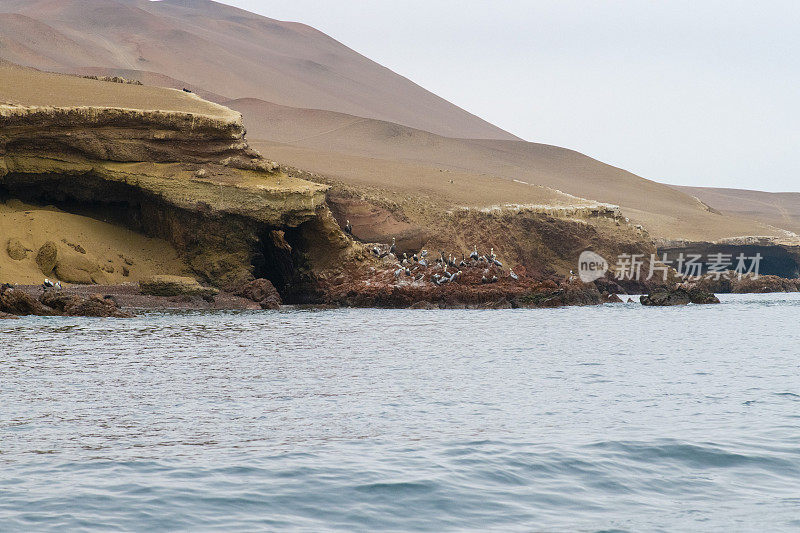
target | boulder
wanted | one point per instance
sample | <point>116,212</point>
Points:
<point>47,257</point>
<point>175,286</point>
<point>17,302</point>
<point>74,267</point>
<point>16,250</point>
<point>6,316</point>
<point>73,305</point>
<point>97,306</point>
<point>678,296</point>
<point>263,292</point>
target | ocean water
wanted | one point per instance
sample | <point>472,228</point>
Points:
<point>610,418</point>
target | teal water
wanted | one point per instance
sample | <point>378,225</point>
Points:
<point>578,419</point>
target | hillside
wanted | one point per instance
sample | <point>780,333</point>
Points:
<point>779,209</point>
<point>381,154</point>
<point>226,51</point>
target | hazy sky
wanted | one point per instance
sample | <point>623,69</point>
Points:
<point>699,92</point>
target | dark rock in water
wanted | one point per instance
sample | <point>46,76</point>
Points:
<point>58,300</point>
<point>669,297</point>
<point>96,306</point>
<point>262,292</point>
<point>700,296</point>
<point>612,298</point>
<point>17,302</point>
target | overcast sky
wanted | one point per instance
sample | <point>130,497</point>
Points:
<point>692,92</point>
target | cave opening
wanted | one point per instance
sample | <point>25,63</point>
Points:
<point>279,257</point>
<point>219,248</point>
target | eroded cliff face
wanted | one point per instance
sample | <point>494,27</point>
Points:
<point>188,178</point>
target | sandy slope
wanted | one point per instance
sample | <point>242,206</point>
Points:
<point>109,249</point>
<point>382,154</point>
<point>21,86</point>
<point>226,51</point>
<point>778,209</point>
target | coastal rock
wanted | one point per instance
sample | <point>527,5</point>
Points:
<point>175,286</point>
<point>16,250</point>
<point>17,302</point>
<point>262,292</point>
<point>678,296</point>
<point>96,306</point>
<point>47,257</point>
<point>7,316</point>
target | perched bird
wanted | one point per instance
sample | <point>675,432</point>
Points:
<point>513,275</point>
<point>398,272</point>
<point>474,255</point>
<point>494,279</point>
<point>58,285</point>
<point>348,228</point>
<point>415,258</point>
<point>498,263</point>
<point>423,263</point>
<point>484,279</point>
<point>392,248</point>
<point>48,284</point>
<point>405,259</point>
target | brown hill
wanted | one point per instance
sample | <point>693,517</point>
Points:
<point>779,209</point>
<point>381,154</point>
<point>226,51</point>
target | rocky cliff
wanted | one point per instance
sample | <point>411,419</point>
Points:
<point>185,177</point>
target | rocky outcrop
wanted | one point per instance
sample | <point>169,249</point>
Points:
<point>175,286</point>
<point>678,296</point>
<point>16,250</point>
<point>185,177</point>
<point>14,302</point>
<point>262,292</point>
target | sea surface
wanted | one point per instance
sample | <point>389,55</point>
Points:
<point>608,418</point>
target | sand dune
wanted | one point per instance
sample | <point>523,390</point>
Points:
<point>226,51</point>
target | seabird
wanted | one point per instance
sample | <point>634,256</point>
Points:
<point>474,255</point>
<point>58,285</point>
<point>498,263</point>
<point>513,275</point>
<point>494,279</point>
<point>423,263</point>
<point>348,228</point>
<point>423,253</point>
<point>398,272</point>
<point>48,284</point>
<point>393,248</point>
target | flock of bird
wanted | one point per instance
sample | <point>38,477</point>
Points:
<point>447,267</point>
